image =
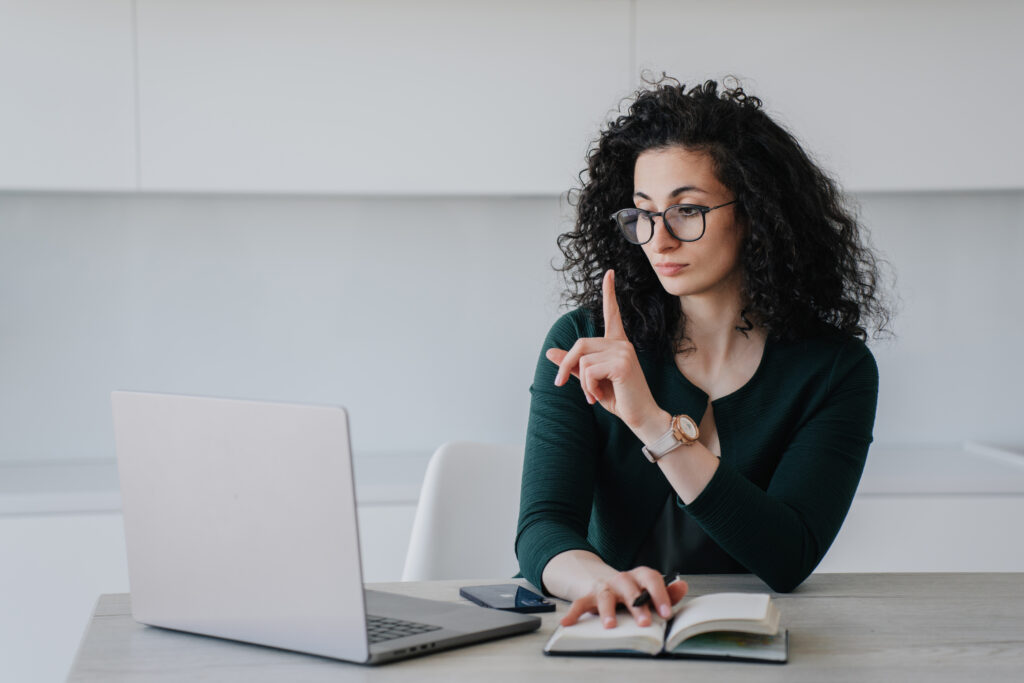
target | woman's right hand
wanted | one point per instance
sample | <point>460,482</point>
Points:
<point>624,588</point>
<point>610,374</point>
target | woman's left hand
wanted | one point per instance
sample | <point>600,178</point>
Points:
<point>609,371</point>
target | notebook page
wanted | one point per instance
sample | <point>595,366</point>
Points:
<point>732,607</point>
<point>589,633</point>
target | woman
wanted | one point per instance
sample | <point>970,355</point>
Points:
<point>709,405</point>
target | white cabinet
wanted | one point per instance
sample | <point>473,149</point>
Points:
<point>398,97</point>
<point>928,533</point>
<point>67,98</point>
<point>931,509</point>
<point>888,95</point>
<point>463,97</point>
<point>55,566</point>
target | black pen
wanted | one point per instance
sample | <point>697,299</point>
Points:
<point>645,597</point>
<point>642,599</point>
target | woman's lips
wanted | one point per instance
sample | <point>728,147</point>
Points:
<point>670,268</point>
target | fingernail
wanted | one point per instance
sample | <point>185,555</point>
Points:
<point>666,611</point>
<point>608,622</point>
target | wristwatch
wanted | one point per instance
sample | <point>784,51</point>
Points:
<point>683,432</point>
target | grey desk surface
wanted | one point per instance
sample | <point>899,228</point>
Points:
<point>843,627</point>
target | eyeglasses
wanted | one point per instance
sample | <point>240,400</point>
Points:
<point>685,222</point>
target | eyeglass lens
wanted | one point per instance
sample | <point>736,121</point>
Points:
<point>684,222</point>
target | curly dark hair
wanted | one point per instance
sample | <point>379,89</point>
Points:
<point>806,270</point>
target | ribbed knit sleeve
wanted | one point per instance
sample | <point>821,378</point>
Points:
<point>794,440</point>
<point>782,533</point>
<point>559,463</point>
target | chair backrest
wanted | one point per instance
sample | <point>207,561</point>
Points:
<point>467,514</point>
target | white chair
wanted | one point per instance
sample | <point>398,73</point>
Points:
<point>466,519</point>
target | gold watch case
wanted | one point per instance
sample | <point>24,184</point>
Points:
<point>685,429</point>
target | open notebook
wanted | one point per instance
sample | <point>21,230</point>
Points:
<point>741,626</point>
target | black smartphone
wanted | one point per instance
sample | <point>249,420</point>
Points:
<point>507,596</point>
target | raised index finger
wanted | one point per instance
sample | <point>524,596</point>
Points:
<point>613,328</point>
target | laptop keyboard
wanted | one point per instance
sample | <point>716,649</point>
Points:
<point>386,628</point>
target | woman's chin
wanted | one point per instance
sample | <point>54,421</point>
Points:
<point>677,286</point>
<point>690,284</point>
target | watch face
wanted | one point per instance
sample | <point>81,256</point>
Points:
<point>687,428</point>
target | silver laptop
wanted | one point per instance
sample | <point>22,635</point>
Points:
<point>240,523</point>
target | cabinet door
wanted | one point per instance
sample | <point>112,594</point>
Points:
<point>54,568</point>
<point>929,533</point>
<point>67,102</point>
<point>888,95</point>
<point>397,97</point>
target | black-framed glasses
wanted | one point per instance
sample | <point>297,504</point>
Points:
<point>685,222</point>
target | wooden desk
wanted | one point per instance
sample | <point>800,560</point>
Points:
<point>843,627</point>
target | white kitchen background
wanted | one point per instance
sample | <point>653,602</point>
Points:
<point>357,203</point>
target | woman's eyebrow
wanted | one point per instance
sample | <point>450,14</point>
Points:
<point>677,191</point>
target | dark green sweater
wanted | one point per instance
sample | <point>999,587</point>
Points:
<point>793,439</point>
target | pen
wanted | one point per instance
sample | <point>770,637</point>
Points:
<point>645,597</point>
<point>642,599</point>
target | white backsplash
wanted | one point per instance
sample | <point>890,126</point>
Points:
<point>424,316</point>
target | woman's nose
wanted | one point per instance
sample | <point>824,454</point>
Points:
<point>662,239</point>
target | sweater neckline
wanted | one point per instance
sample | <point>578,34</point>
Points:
<point>685,381</point>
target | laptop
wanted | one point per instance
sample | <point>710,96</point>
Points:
<point>240,523</point>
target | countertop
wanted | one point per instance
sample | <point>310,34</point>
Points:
<point>394,478</point>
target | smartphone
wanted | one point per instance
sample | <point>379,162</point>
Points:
<point>507,596</point>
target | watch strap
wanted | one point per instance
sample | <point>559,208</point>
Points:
<point>669,441</point>
<point>665,444</point>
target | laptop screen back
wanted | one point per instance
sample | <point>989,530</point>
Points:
<point>240,521</point>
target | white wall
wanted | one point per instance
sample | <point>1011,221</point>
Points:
<point>955,369</point>
<point>423,316</point>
